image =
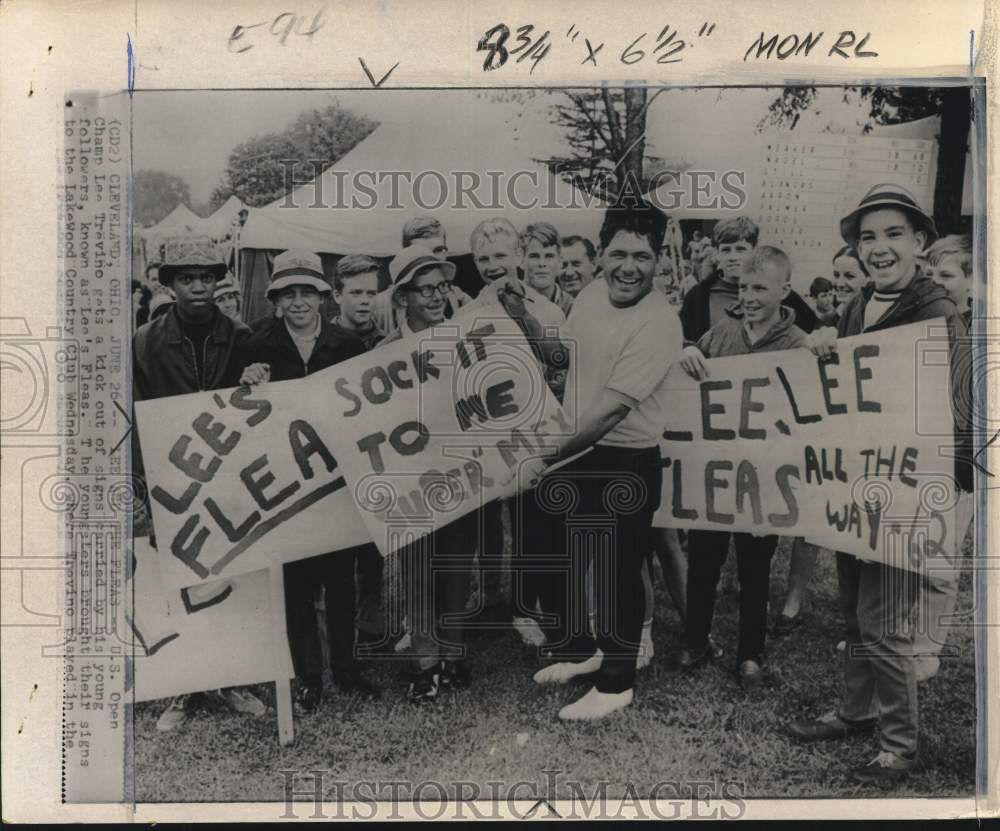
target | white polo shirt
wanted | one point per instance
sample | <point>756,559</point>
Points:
<point>627,351</point>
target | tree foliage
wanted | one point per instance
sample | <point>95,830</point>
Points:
<point>156,194</point>
<point>886,105</point>
<point>266,167</point>
<point>606,133</point>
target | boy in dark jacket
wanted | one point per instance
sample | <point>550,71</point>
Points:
<point>189,348</point>
<point>706,303</point>
<point>889,230</point>
<point>759,322</point>
<point>294,346</point>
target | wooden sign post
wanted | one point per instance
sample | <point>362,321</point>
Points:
<point>282,686</point>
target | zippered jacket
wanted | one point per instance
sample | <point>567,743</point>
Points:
<point>729,336</point>
<point>164,361</point>
<point>273,345</point>
<point>697,304</point>
<point>164,364</point>
<point>923,299</point>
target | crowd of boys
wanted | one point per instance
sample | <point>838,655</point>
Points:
<point>616,301</point>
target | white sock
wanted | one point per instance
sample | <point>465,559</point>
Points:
<point>595,705</point>
<point>563,672</point>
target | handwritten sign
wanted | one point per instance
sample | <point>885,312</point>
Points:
<point>434,426</point>
<point>244,479</point>
<point>782,443</point>
<point>203,638</point>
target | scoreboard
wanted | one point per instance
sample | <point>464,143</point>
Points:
<point>810,182</point>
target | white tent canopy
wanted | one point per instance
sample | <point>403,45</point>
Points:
<point>459,165</point>
<point>180,221</point>
<point>220,223</point>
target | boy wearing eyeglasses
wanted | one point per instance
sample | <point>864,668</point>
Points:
<point>428,232</point>
<point>420,289</point>
<point>421,285</point>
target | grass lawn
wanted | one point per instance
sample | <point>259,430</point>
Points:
<point>504,729</point>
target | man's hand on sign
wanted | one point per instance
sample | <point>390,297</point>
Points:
<point>532,472</point>
<point>692,361</point>
<point>823,341</point>
<point>256,374</point>
<point>510,293</point>
<point>524,477</point>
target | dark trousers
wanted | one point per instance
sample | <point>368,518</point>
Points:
<point>490,530</point>
<point>602,506</point>
<point>370,573</point>
<point>880,680</point>
<point>437,573</point>
<point>538,560</point>
<point>334,572</point>
<point>707,552</point>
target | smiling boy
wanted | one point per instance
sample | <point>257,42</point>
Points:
<point>949,263</point>
<point>889,231</point>
<point>297,344</point>
<point>436,570</point>
<point>706,303</point>
<point>760,323</point>
<point>428,232</point>
<point>542,261</point>
<point>497,251</point>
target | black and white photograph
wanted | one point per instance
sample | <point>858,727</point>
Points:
<point>523,445</point>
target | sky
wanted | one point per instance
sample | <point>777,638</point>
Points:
<point>192,133</point>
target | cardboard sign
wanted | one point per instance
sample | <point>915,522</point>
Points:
<point>203,638</point>
<point>436,425</point>
<point>854,454</point>
<point>244,479</point>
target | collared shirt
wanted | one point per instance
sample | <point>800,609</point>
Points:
<point>305,343</point>
<point>562,298</point>
<point>546,312</point>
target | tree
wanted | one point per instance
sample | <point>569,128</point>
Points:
<point>157,194</point>
<point>606,133</point>
<point>256,171</point>
<point>898,105</point>
<point>265,168</point>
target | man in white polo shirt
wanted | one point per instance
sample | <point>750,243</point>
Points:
<point>622,338</point>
